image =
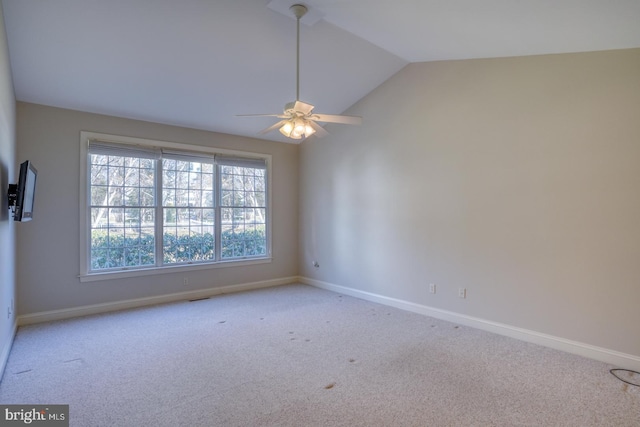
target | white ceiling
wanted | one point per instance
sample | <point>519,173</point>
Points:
<point>198,63</point>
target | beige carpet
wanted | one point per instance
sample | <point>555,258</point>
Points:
<point>300,356</point>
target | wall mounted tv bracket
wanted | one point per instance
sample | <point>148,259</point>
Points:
<point>12,196</point>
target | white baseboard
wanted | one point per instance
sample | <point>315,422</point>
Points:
<point>47,316</point>
<point>6,349</point>
<point>623,360</point>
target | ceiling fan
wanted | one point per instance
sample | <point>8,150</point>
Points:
<point>298,119</point>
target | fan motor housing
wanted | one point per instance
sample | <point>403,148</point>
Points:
<point>289,107</point>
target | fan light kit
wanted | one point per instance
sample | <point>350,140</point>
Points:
<point>298,120</point>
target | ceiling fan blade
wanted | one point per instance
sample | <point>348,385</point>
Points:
<point>280,116</point>
<point>332,118</point>
<point>273,127</point>
<point>320,132</point>
<point>303,107</point>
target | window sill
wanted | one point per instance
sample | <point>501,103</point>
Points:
<point>123,274</point>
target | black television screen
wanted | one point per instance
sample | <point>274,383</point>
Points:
<point>25,192</point>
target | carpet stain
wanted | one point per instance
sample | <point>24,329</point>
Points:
<point>78,359</point>
<point>352,360</point>
<point>308,340</point>
<point>625,387</point>
<point>222,321</point>
<point>329,386</point>
<point>24,372</point>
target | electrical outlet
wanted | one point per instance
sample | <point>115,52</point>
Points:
<point>185,281</point>
<point>316,264</point>
<point>462,292</point>
<point>432,288</point>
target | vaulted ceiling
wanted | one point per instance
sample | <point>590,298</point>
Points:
<point>199,63</point>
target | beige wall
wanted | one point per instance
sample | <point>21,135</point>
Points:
<point>516,178</point>
<point>48,253</point>
<point>8,175</point>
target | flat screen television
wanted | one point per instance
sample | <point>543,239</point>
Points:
<point>22,194</point>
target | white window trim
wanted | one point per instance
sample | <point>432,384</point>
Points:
<point>86,276</point>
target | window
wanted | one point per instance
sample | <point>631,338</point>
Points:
<point>152,205</point>
<point>188,211</point>
<point>243,210</point>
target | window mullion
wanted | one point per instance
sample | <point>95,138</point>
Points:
<point>88,218</point>
<point>217,201</point>
<point>159,225</point>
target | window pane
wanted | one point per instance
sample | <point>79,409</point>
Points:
<point>116,196</point>
<point>116,175</point>
<point>226,198</point>
<point>131,177</point>
<point>115,257</point>
<point>99,170</point>
<point>182,179</point>
<point>207,182</point>
<point>195,198</point>
<point>170,216</point>
<point>169,244</point>
<point>168,197</point>
<point>147,197</point>
<point>208,216</point>
<point>132,162</point>
<point>114,161</point>
<point>99,195</point>
<point>132,196</point>
<point>182,197</point>
<point>182,165</point>
<point>132,237</point>
<point>195,179</point>
<point>207,199</point>
<point>182,218</point>
<point>147,255</point>
<point>132,256</point>
<point>147,163</point>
